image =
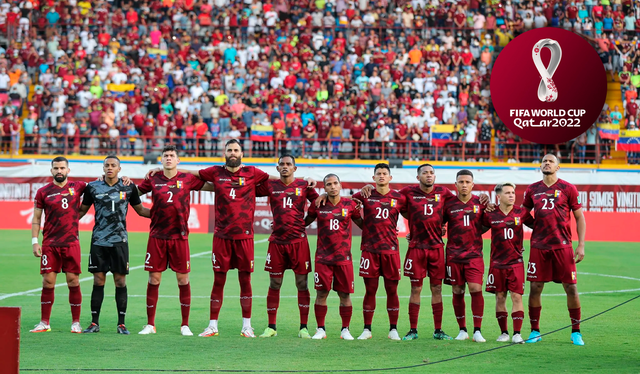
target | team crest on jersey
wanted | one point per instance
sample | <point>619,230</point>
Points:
<point>298,192</point>
<point>394,202</point>
<point>437,197</point>
<point>179,184</point>
<point>72,191</point>
<point>344,212</point>
<point>242,181</point>
<point>516,221</point>
<point>476,208</point>
<point>123,195</point>
<point>556,193</point>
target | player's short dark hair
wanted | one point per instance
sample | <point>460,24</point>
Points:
<point>324,180</point>
<point>464,172</point>
<point>500,186</point>
<point>112,157</point>
<point>381,165</point>
<point>234,141</point>
<point>170,148</point>
<point>287,155</point>
<point>60,159</point>
<point>424,166</point>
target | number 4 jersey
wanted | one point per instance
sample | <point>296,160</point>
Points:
<point>61,212</point>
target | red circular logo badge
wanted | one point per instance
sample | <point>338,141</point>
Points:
<point>548,85</point>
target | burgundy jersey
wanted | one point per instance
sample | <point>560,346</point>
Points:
<point>61,212</point>
<point>235,199</point>
<point>552,206</point>
<point>171,204</point>
<point>425,212</point>
<point>287,205</point>
<point>334,231</point>
<point>380,214</point>
<point>464,234</point>
<point>507,234</point>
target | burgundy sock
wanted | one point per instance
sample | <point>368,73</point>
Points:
<point>459,310</point>
<point>246,294</point>
<point>477,308</point>
<point>518,318</point>
<point>185,302</point>
<point>321,313</point>
<point>304,299</point>
<point>217,294</point>
<point>369,302</point>
<point>152,303</point>
<point>273,300</point>
<point>502,320</point>
<point>46,303</point>
<point>75,301</point>
<point>534,317</point>
<point>345,314</point>
<point>437,315</point>
<point>574,314</point>
<point>393,303</point>
<point>414,311</point>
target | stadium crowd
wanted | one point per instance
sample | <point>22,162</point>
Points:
<point>321,78</point>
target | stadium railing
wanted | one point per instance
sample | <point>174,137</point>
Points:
<point>315,148</point>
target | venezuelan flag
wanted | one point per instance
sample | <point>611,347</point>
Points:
<point>179,184</point>
<point>437,197</point>
<point>72,191</point>
<point>242,181</point>
<point>516,221</point>
<point>298,192</point>
<point>261,133</point>
<point>609,131</point>
<point>476,209</point>
<point>344,212</point>
<point>123,195</point>
<point>556,193</point>
<point>629,141</point>
<point>394,202</point>
<point>441,134</point>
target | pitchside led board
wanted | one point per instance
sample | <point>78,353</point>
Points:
<point>548,85</point>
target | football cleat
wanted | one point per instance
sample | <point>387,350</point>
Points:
<point>304,334</point>
<point>123,330</point>
<point>393,335</point>
<point>93,327</point>
<point>76,328</point>
<point>41,327</point>
<point>462,335</point>
<point>576,338</point>
<point>503,338</point>
<point>185,331</point>
<point>320,334</point>
<point>269,333</point>
<point>411,336</point>
<point>247,332</point>
<point>148,329</point>
<point>209,331</point>
<point>366,334</point>
<point>517,338</point>
<point>534,337</point>
<point>345,334</point>
<point>441,336</point>
<point>478,338</point>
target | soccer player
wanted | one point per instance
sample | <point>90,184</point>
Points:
<point>552,257</point>
<point>333,262</point>
<point>288,244</point>
<point>60,250</point>
<point>169,237</point>
<point>109,242</point>
<point>506,271</point>
<point>380,249</point>
<point>464,263</point>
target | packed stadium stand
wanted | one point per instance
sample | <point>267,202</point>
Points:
<point>323,79</point>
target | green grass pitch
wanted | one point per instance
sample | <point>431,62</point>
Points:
<point>608,276</point>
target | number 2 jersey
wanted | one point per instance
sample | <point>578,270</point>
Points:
<point>287,206</point>
<point>334,231</point>
<point>552,207</point>
<point>380,220</point>
<point>464,233</point>
<point>507,234</point>
<point>61,212</point>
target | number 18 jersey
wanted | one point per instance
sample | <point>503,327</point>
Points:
<point>334,231</point>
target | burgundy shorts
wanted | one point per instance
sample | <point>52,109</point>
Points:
<point>341,276</point>
<point>421,262</point>
<point>281,257</point>
<point>557,265</point>
<point>459,274</point>
<point>65,259</point>
<point>506,279</point>
<point>374,265</point>
<point>163,252</point>
<point>232,254</point>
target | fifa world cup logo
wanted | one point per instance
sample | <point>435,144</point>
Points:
<point>547,90</point>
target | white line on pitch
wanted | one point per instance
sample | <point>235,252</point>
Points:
<point>23,293</point>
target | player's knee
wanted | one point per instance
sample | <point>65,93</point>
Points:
<point>436,289</point>
<point>183,279</point>
<point>275,283</point>
<point>536,288</point>
<point>345,298</point>
<point>48,282</point>
<point>302,284</point>
<point>474,287</point>
<point>120,280</point>
<point>571,289</point>
<point>322,295</point>
<point>154,278</point>
<point>98,279</point>
<point>416,290</point>
<point>458,290</point>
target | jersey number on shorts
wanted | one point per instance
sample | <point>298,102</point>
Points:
<point>316,278</point>
<point>334,224</point>
<point>268,258</point>
<point>45,261</point>
<point>65,203</point>
<point>532,268</point>
<point>364,263</point>
<point>148,258</point>
<point>508,233</point>
<point>548,204</point>
<point>382,213</point>
<point>408,264</point>
<point>449,271</point>
<point>287,203</point>
<point>490,279</point>
<point>428,209</point>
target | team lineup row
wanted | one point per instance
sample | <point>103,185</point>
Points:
<point>430,209</point>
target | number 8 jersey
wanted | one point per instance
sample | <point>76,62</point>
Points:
<point>61,206</point>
